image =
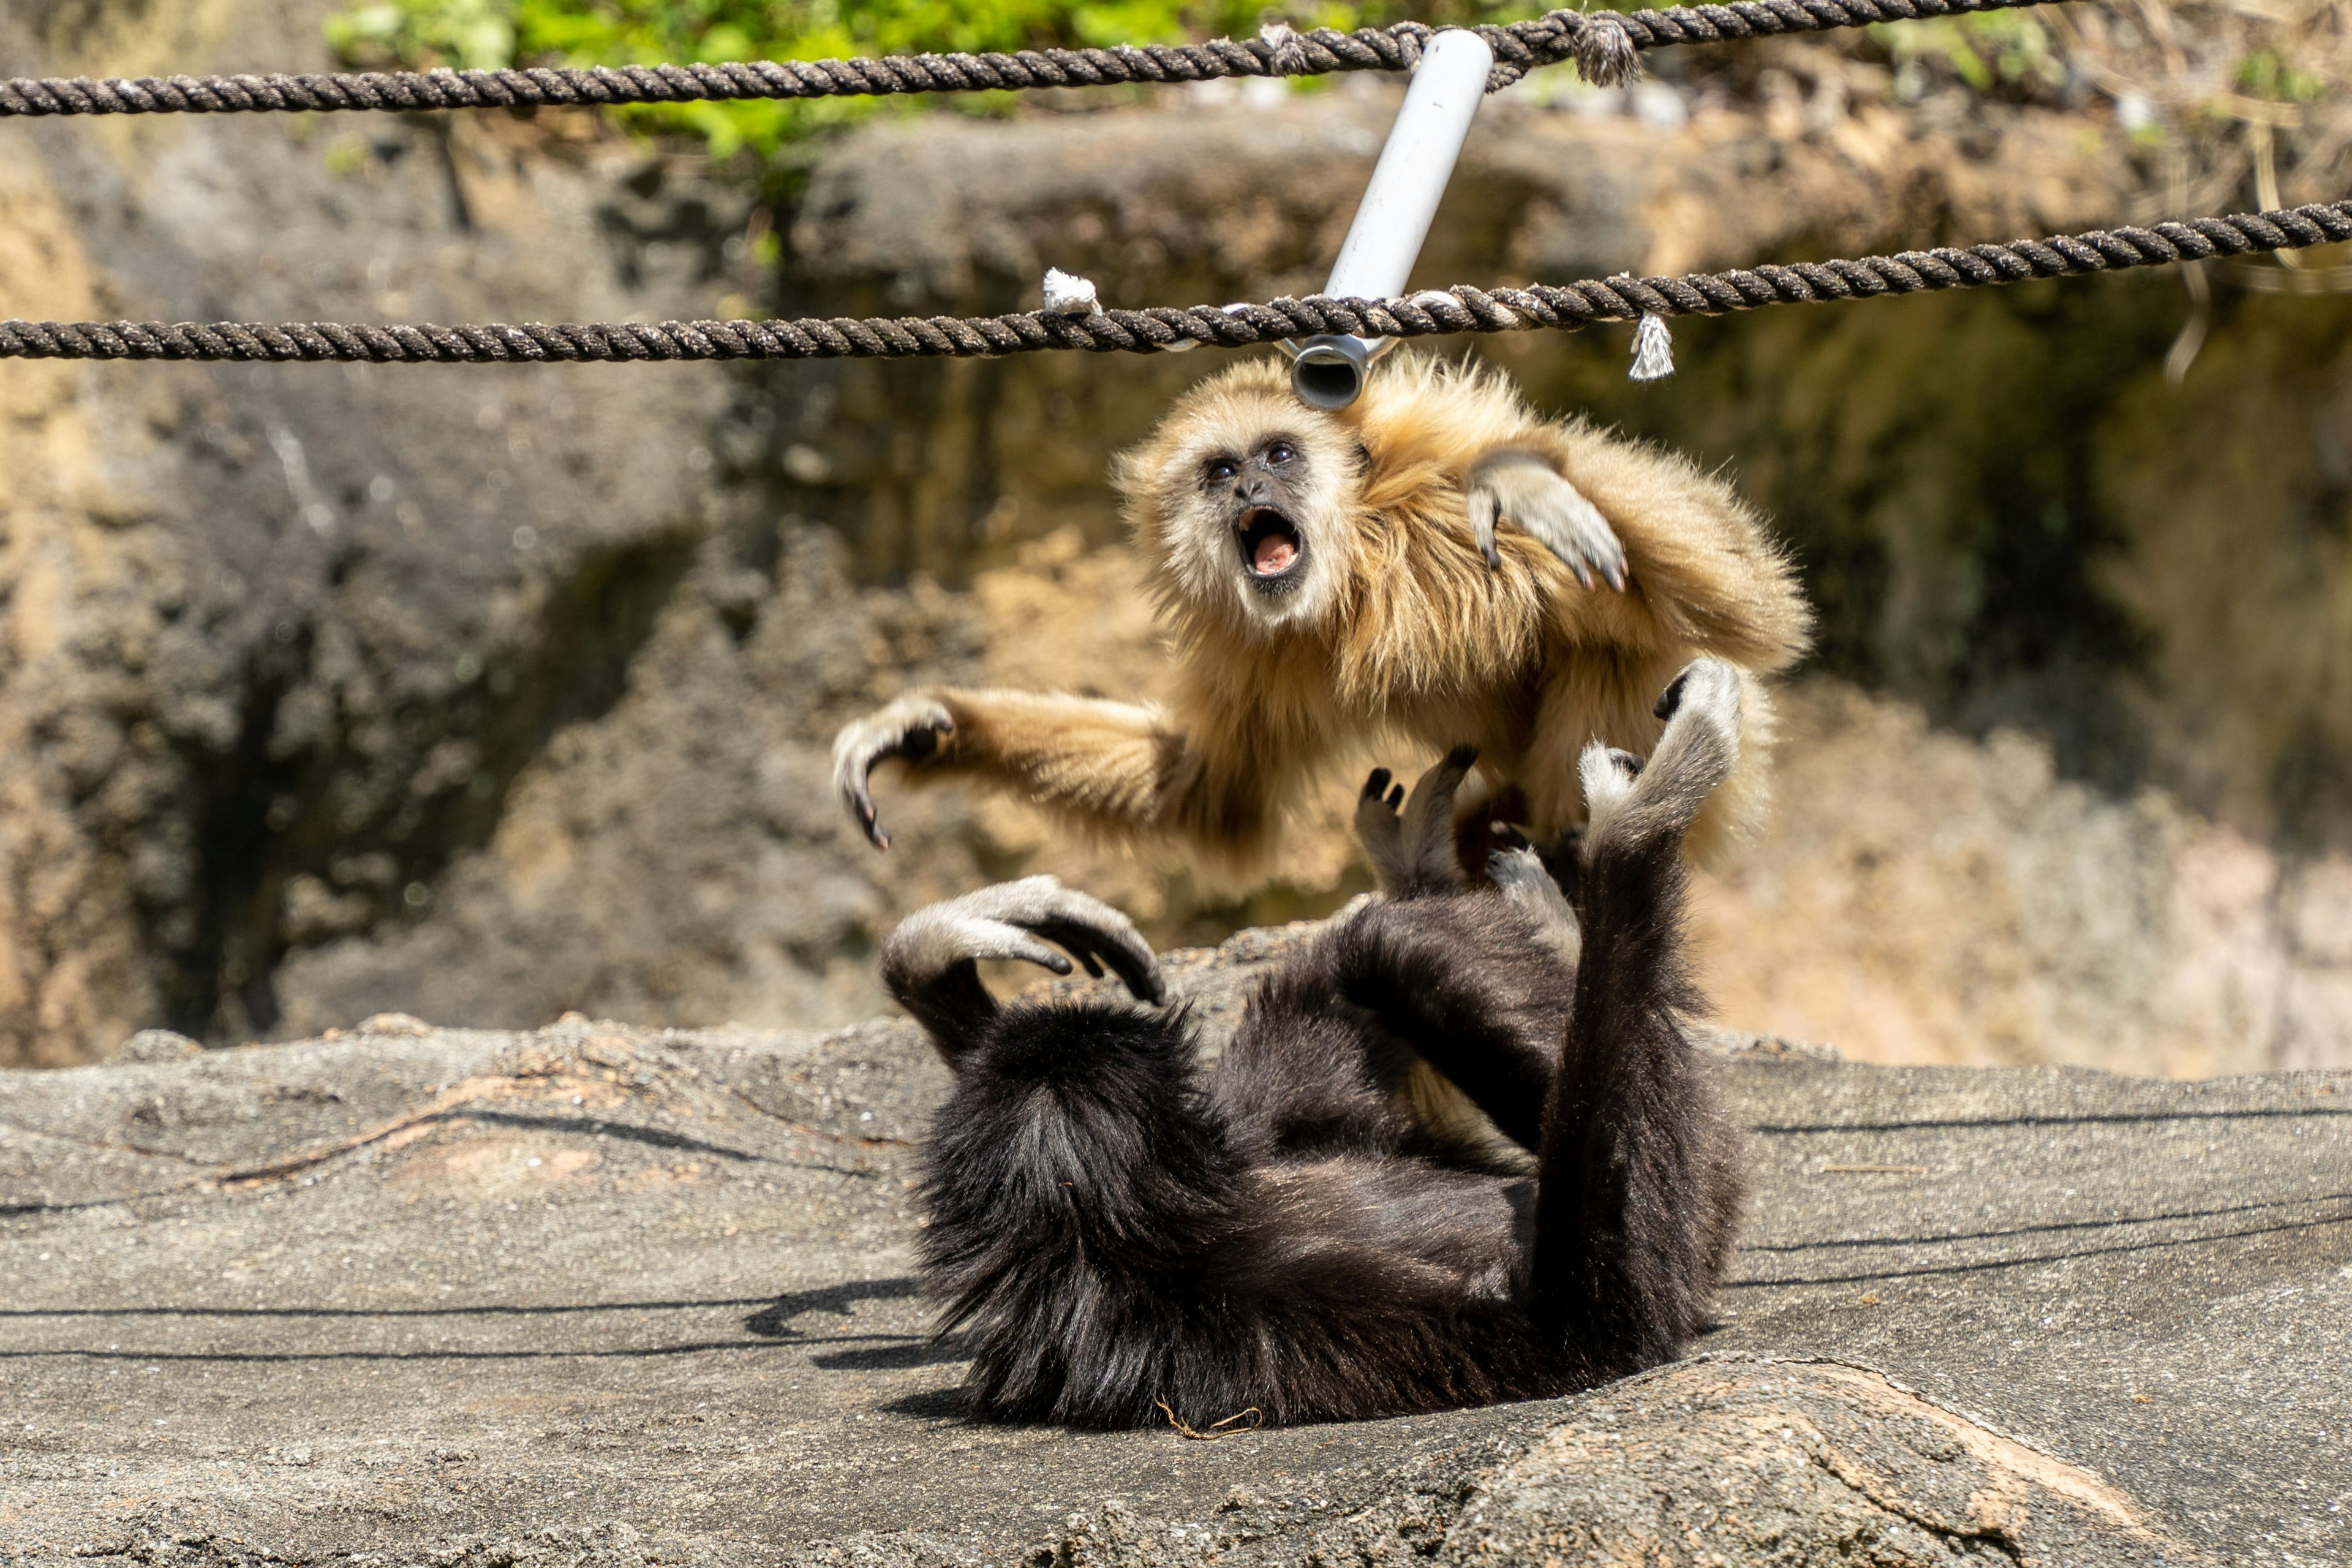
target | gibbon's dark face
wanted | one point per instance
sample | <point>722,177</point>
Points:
<point>1261,493</point>
<point>1244,494</point>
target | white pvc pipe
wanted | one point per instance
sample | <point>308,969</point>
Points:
<point>1393,220</point>
<point>1401,202</point>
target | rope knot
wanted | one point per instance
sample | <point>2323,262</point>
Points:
<point>1286,51</point>
<point>1604,53</point>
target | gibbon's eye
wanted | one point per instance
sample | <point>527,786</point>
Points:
<point>1280,453</point>
<point>1221,468</point>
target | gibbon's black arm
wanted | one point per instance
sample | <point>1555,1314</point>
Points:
<point>1637,1177</point>
<point>1491,1027</point>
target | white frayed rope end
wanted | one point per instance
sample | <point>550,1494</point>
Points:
<point>1068,295</point>
<point>1654,349</point>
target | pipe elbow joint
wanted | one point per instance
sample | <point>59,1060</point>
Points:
<point>1327,371</point>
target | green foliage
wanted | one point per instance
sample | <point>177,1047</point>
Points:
<point>2265,75</point>
<point>470,35</point>
<point>1987,50</point>
<point>488,34</point>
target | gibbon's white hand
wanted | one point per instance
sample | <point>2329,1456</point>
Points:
<point>912,730</point>
<point>1526,491</point>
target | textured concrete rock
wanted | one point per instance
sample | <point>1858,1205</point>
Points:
<point>600,1295</point>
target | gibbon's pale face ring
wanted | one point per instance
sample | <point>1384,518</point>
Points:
<point>1252,505</point>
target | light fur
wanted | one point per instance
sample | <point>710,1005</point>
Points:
<point>1396,629</point>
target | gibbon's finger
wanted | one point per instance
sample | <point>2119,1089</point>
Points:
<point>1671,698</point>
<point>1572,529</point>
<point>1095,948</point>
<point>1138,970</point>
<point>1377,783</point>
<point>931,941</point>
<point>1014,943</point>
<point>1484,508</point>
<point>1607,775</point>
<point>1086,926</point>
<point>1434,791</point>
<point>1000,939</point>
<point>1519,875</point>
<point>1380,830</point>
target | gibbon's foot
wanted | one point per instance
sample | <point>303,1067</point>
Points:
<point>1631,801</point>
<point>1523,490</point>
<point>1007,921</point>
<point>911,730</point>
<point>1520,875</point>
<point>1411,848</point>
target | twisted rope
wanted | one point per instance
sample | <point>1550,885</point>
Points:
<point>1602,42</point>
<point>1460,310</point>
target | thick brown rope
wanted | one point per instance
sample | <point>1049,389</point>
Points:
<point>1459,309</point>
<point>1602,42</point>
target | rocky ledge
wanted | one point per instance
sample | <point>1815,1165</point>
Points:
<point>603,1295</point>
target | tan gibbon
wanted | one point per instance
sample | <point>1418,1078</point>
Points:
<point>1336,581</point>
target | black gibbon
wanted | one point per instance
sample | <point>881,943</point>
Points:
<point>1335,580</point>
<point>1117,1228</point>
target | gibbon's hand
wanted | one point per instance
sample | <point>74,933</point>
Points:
<point>1632,800</point>
<point>1524,490</point>
<point>911,730</point>
<point>1410,842</point>
<point>1007,921</point>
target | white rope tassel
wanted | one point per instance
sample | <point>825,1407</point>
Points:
<point>1654,349</point>
<point>1068,295</point>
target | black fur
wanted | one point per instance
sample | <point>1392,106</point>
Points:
<point>1113,1226</point>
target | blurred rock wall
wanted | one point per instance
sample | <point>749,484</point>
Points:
<point>489,693</point>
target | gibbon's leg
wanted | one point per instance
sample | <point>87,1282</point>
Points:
<point>1523,489</point>
<point>1304,1071</point>
<point>1475,994</point>
<point>1474,990</point>
<point>1113,767</point>
<point>931,963</point>
<point>1411,842</point>
<point>1637,1178</point>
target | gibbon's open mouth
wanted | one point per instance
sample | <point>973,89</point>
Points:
<point>1270,545</point>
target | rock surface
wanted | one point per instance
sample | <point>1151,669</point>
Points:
<point>602,1295</point>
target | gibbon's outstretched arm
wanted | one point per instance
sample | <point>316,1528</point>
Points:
<point>1637,1182</point>
<point>1118,769</point>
